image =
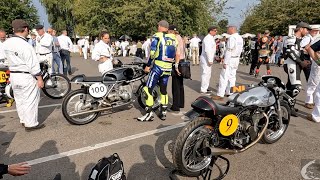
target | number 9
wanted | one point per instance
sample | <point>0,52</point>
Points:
<point>229,124</point>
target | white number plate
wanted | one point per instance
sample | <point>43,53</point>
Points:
<point>98,90</point>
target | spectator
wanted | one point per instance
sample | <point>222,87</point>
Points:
<point>194,45</point>
<point>2,53</point>
<point>32,40</point>
<point>124,47</point>
<point>146,47</point>
<point>66,47</point>
<point>55,52</point>
<point>102,53</point>
<point>19,169</point>
<point>139,50</point>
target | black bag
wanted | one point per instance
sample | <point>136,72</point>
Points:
<point>110,168</point>
<point>184,68</point>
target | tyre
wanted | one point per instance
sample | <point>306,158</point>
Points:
<point>274,132</point>
<point>57,86</point>
<point>156,97</point>
<point>76,102</point>
<point>188,154</point>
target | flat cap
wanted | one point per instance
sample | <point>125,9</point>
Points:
<point>303,25</point>
<point>173,27</point>
<point>163,23</point>
<point>19,23</point>
<point>38,26</point>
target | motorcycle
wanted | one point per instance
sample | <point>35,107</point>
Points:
<point>257,114</point>
<point>114,89</point>
<point>56,86</point>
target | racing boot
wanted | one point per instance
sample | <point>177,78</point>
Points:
<point>148,116</point>
<point>269,72</point>
<point>163,112</point>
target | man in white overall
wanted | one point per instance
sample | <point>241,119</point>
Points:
<point>24,75</point>
<point>230,64</point>
<point>206,59</point>
<point>44,47</point>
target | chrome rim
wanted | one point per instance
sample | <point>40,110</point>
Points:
<point>274,130</point>
<point>192,158</point>
<point>75,105</point>
<point>57,86</point>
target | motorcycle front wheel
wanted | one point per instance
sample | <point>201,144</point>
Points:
<point>274,131</point>
<point>79,101</point>
<point>56,86</point>
<point>189,154</point>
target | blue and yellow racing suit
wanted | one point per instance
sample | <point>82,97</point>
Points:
<point>162,55</point>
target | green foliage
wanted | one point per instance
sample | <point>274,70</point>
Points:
<point>137,18</point>
<point>277,15</point>
<point>60,14</point>
<point>17,9</point>
<point>222,24</point>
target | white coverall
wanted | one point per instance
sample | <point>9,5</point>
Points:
<point>22,57</point>
<point>207,55</point>
<point>44,50</point>
<point>231,60</point>
<point>313,80</point>
<point>85,46</point>
<point>124,48</point>
<point>102,49</point>
<point>3,60</point>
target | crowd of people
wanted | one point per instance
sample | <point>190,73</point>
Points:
<point>164,52</point>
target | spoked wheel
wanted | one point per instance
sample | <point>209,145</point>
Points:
<point>191,155</point>
<point>76,102</point>
<point>57,86</point>
<point>274,131</point>
<point>156,98</point>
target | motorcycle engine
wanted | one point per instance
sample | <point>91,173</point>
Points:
<point>123,92</point>
<point>248,128</point>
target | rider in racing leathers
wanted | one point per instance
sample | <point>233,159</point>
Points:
<point>294,61</point>
<point>163,53</point>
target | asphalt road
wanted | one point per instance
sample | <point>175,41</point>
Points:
<point>145,148</point>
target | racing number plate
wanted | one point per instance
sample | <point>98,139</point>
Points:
<point>3,77</point>
<point>228,125</point>
<point>98,90</point>
<point>237,89</point>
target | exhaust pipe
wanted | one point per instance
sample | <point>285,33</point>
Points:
<point>219,151</point>
<point>98,110</point>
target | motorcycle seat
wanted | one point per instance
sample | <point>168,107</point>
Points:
<point>4,68</point>
<point>98,78</point>
<point>207,104</point>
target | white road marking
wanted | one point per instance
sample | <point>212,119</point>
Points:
<point>40,107</point>
<point>102,145</point>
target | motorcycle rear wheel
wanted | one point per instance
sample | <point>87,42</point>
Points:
<point>56,86</point>
<point>274,132</point>
<point>189,148</point>
<point>68,105</point>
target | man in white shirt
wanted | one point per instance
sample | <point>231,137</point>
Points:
<point>84,45</point>
<point>55,52</point>
<point>206,59</point>
<point>194,45</point>
<point>230,64</point>
<point>2,54</point>
<point>146,47</point>
<point>102,53</point>
<point>25,75</point>
<point>44,42</point>
<point>66,47</point>
<point>124,47</point>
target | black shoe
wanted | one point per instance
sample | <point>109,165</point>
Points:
<point>70,73</point>
<point>251,73</point>
<point>40,126</point>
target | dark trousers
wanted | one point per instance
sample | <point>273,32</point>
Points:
<point>254,61</point>
<point>307,70</point>
<point>177,91</point>
<point>65,57</point>
<point>139,53</point>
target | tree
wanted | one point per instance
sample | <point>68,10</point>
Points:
<point>60,14</point>
<point>17,9</point>
<point>278,15</point>
<point>138,18</point>
<point>223,25</point>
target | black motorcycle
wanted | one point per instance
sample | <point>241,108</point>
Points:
<point>257,114</point>
<point>114,89</point>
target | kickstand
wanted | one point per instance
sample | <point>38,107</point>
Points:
<point>206,173</point>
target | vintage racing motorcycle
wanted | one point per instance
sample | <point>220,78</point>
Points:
<point>114,89</point>
<point>56,86</point>
<point>257,114</point>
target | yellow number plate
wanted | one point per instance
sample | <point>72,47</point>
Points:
<point>3,76</point>
<point>228,125</point>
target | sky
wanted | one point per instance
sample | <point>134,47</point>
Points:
<point>233,13</point>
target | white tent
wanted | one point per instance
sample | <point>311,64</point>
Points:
<point>225,35</point>
<point>218,37</point>
<point>246,35</point>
